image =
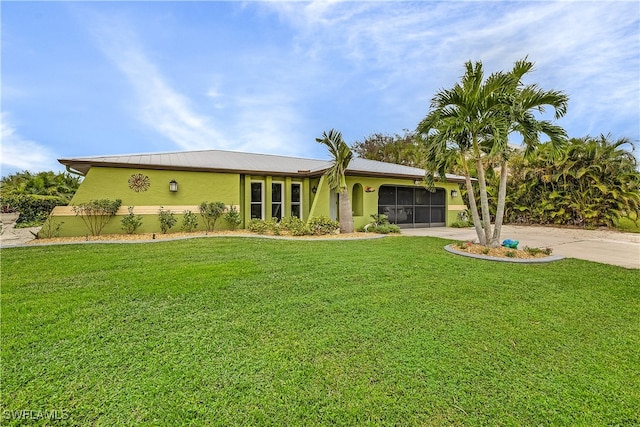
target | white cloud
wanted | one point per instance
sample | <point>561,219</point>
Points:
<point>19,153</point>
<point>591,50</point>
<point>160,106</point>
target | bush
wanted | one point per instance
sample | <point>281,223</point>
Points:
<point>322,225</point>
<point>34,209</point>
<point>189,221</point>
<point>536,251</point>
<point>294,225</point>
<point>167,220</point>
<point>257,226</point>
<point>211,212</point>
<point>380,225</point>
<point>131,222</point>
<point>232,217</point>
<point>97,213</point>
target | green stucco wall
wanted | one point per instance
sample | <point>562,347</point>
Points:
<point>113,183</point>
<point>232,189</point>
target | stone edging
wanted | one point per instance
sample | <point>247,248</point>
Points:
<point>170,239</point>
<point>550,258</point>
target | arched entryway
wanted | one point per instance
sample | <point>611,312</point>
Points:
<point>413,206</point>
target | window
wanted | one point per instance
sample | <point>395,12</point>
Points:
<point>277,200</point>
<point>296,199</point>
<point>256,200</point>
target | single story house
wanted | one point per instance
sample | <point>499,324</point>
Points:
<point>258,185</point>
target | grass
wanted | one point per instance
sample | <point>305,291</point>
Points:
<point>238,331</point>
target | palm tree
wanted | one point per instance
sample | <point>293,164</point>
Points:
<point>521,101</point>
<point>336,175</point>
<point>460,120</point>
<point>471,123</point>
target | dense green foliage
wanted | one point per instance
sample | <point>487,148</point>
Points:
<point>42,183</point>
<point>316,226</point>
<point>96,214</point>
<point>210,213</point>
<point>35,195</point>
<point>399,149</point>
<point>594,182</point>
<point>34,209</point>
<point>470,124</point>
<point>131,222</point>
<point>238,331</point>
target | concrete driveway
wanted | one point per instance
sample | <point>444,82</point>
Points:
<point>604,246</point>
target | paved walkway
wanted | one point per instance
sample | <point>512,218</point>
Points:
<point>605,246</point>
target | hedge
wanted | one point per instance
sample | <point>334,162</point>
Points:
<point>32,208</point>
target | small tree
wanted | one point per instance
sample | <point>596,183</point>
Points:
<point>189,221</point>
<point>211,212</point>
<point>232,217</point>
<point>97,213</point>
<point>167,220</point>
<point>131,222</point>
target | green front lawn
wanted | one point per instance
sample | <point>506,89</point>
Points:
<point>242,331</point>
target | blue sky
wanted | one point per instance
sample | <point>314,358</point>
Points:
<point>95,78</point>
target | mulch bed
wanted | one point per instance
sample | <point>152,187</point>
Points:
<point>500,252</point>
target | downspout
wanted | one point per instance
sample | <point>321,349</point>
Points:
<point>74,172</point>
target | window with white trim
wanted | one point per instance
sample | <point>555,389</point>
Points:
<point>277,200</point>
<point>296,199</point>
<point>257,197</point>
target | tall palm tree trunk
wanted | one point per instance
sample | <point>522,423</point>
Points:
<point>502,195</point>
<point>345,212</point>
<point>484,202</point>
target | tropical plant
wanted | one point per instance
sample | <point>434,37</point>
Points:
<point>96,214</point>
<point>594,183</point>
<point>131,222</point>
<point>41,183</point>
<point>167,220</point>
<point>210,213</point>
<point>341,156</point>
<point>469,125</point>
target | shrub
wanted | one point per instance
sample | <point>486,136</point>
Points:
<point>257,226</point>
<point>211,212</point>
<point>294,225</point>
<point>380,225</point>
<point>189,221</point>
<point>167,220</point>
<point>536,251</point>
<point>34,209</point>
<point>273,226</point>
<point>97,213</point>
<point>322,225</point>
<point>131,222</point>
<point>232,217</point>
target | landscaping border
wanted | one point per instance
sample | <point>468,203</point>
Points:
<point>550,258</point>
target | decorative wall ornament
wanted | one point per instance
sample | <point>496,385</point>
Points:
<point>139,182</point>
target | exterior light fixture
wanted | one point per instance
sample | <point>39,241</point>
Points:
<point>454,193</point>
<point>173,186</point>
<point>417,181</point>
<point>314,189</point>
